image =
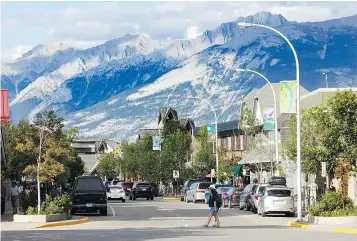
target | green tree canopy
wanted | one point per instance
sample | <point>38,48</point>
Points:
<point>108,166</point>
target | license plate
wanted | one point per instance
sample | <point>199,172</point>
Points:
<point>143,189</point>
<point>89,205</point>
<point>279,202</point>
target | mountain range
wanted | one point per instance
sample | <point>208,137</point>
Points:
<point>113,89</point>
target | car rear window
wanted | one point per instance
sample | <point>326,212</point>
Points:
<point>143,184</point>
<point>261,189</point>
<point>115,182</point>
<point>279,193</point>
<point>89,184</point>
<point>204,185</point>
<point>224,189</point>
<point>254,188</point>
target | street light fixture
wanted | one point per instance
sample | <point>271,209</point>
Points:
<point>275,112</point>
<point>298,123</point>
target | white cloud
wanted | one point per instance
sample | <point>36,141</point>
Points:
<point>165,20</point>
<point>14,53</point>
<point>192,32</point>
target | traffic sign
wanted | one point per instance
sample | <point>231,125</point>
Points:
<point>323,169</point>
<point>175,174</point>
<point>117,151</point>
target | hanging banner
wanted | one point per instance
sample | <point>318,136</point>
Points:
<point>156,143</point>
<point>211,128</point>
<point>288,96</point>
<point>268,118</point>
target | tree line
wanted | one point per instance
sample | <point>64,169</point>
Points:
<point>59,162</point>
<point>177,149</point>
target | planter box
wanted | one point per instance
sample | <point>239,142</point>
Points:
<point>332,220</point>
<point>40,218</point>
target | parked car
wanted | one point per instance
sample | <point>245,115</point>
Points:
<point>142,190</point>
<point>246,195</point>
<point>89,195</point>
<point>155,189</point>
<point>222,191</point>
<point>233,197</point>
<point>197,191</point>
<point>186,186</point>
<point>275,200</point>
<point>115,182</point>
<point>116,192</point>
<point>256,195</point>
<point>217,185</point>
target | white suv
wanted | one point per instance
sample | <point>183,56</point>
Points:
<point>277,200</point>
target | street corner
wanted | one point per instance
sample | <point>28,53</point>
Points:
<point>344,230</point>
<point>296,224</point>
<point>63,223</point>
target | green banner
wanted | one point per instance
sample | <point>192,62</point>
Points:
<point>268,118</point>
<point>288,96</point>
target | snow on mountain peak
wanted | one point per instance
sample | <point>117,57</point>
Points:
<point>45,50</point>
<point>266,18</point>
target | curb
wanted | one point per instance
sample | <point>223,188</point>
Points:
<point>171,198</point>
<point>63,223</point>
<point>298,225</point>
<point>344,230</point>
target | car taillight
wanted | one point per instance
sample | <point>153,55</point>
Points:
<point>125,188</point>
<point>201,191</point>
<point>249,197</point>
<point>234,196</point>
<point>256,197</point>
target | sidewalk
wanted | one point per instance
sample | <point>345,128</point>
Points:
<point>7,223</point>
<point>341,228</point>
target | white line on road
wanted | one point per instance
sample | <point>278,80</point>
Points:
<point>113,211</point>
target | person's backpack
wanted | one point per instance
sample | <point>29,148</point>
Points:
<point>219,200</point>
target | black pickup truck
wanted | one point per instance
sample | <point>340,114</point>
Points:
<point>89,195</point>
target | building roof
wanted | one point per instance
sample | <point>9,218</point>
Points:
<point>150,131</point>
<point>112,143</point>
<point>321,96</point>
<point>165,112</point>
<point>223,127</point>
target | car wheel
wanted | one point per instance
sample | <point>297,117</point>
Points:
<point>240,207</point>
<point>147,198</point>
<point>229,204</point>
<point>152,198</point>
<point>123,200</point>
<point>104,212</point>
<point>73,211</point>
<point>134,198</point>
<point>182,199</point>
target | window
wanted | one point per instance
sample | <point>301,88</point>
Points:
<point>203,185</point>
<point>89,184</point>
<point>261,189</point>
<point>229,143</point>
<point>279,193</point>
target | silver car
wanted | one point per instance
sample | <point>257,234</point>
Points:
<point>255,197</point>
<point>276,200</point>
<point>197,191</point>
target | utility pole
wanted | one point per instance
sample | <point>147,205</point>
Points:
<point>325,72</point>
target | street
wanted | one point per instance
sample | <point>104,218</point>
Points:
<point>174,220</point>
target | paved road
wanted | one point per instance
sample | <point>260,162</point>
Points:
<point>173,220</point>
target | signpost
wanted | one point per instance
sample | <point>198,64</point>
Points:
<point>176,174</point>
<point>323,169</point>
<point>213,173</point>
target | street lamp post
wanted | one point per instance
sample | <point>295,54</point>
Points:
<point>298,124</point>
<point>326,77</point>
<point>275,112</point>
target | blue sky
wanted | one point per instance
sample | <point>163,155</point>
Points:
<point>85,24</point>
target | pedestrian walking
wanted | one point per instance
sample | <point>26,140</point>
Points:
<point>214,204</point>
<point>15,192</point>
<point>3,198</point>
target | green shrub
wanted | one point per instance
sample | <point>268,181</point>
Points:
<point>31,211</point>
<point>333,204</point>
<point>56,205</point>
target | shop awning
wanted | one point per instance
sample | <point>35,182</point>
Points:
<point>237,170</point>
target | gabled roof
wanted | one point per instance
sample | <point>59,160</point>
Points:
<point>185,122</point>
<point>165,112</point>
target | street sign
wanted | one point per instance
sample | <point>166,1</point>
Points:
<point>175,174</point>
<point>323,169</point>
<point>117,151</point>
<point>213,172</point>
